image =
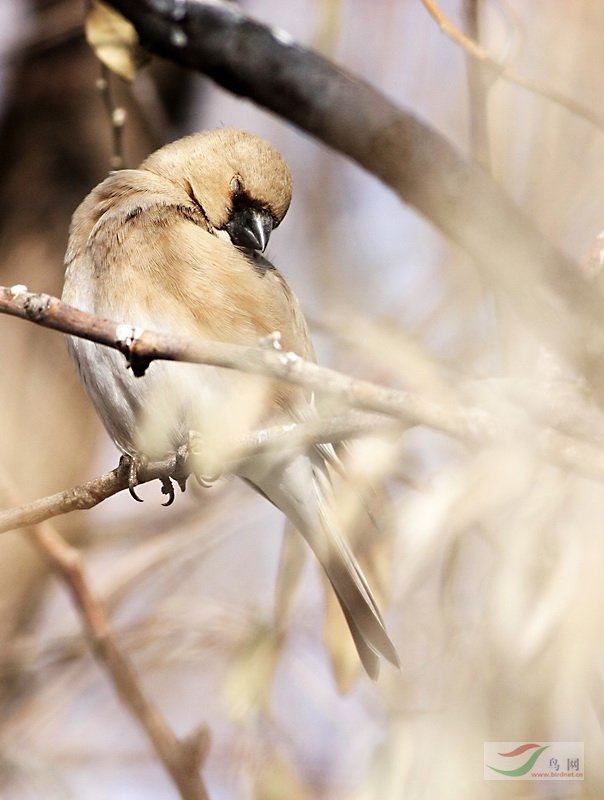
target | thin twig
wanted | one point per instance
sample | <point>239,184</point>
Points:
<point>571,452</point>
<point>469,424</point>
<point>478,90</point>
<point>86,495</point>
<point>182,758</point>
<point>480,54</point>
<point>117,118</point>
<point>280,437</point>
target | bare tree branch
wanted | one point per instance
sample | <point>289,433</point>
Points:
<point>142,346</point>
<point>182,758</point>
<point>568,451</point>
<point>426,171</point>
<point>86,495</point>
<point>280,437</point>
<point>479,54</point>
<point>479,83</point>
<point>116,115</point>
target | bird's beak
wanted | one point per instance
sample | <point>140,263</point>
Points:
<point>250,228</point>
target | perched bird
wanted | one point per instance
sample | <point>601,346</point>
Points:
<point>176,246</point>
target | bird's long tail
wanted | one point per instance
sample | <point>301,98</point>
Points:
<point>299,487</point>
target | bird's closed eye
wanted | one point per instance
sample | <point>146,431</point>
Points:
<point>236,185</point>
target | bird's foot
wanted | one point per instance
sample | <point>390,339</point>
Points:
<point>133,466</point>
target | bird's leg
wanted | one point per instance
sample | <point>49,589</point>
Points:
<point>181,468</point>
<point>133,465</point>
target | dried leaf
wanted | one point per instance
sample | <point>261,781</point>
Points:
<point>345,664</point>
<point>293,558</point>
<point>114,41</point>
<point>249,680</point>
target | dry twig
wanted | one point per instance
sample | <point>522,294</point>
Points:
<point>116,115</point>
<point>281,437</point>
<point>182,758</point>
<point>470,425</point>
<point>501,71</point>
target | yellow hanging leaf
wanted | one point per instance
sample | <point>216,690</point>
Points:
<point>277,778</point>
<point>249,680</point>
<point>114,41</point>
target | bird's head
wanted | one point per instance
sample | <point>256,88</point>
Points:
<point>242,184</point>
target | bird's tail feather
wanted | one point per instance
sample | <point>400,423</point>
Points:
<point>299,487</point>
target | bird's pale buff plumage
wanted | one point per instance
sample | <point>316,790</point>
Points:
<point>154,247</point>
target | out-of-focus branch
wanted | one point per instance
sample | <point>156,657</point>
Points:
<point>116,115</point>
<point>280,437</point>
<point>142,346</point>
<point>566,451</point>
<point>478,89</point>
<point>473,49</point>
<point>182,759</point>
<point>423,167</point>
<point>55,146</point>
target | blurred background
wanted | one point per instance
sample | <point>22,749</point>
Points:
<point>489,561</point>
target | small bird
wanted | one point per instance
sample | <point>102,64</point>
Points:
<point>176,246</point>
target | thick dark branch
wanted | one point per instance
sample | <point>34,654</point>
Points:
<point>351,116</point>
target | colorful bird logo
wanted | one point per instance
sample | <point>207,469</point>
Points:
<point>536,749</point>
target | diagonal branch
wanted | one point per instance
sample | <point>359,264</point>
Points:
<point>571,452</point>
<point>278,438</point>
<point>182,758</point>
<point>85,496</point>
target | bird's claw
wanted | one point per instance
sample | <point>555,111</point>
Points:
<point>204,480</point>
<point>168,489</point>
<point>187,453</point>
<point>179,476</point>
<point>133,493</point>
<point>132,464</point>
